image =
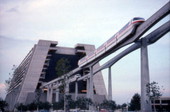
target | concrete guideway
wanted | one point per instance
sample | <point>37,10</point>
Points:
<point>139,43</point>
<point>164,11</point>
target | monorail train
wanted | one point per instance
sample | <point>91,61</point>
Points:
<point>128,30</point>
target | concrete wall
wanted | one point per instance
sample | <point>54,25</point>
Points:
<point>35,68</point>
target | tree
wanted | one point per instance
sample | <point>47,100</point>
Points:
<point>58,105</point>
<point>21,107</point>
<point>37,98</point>
<point>153,92</point>
<point>33,106</point>
<point>9,80</point>
<point>108,104</point>
<point>3,104</point>
<point>135,103</point>
<point>45,105</point>
<point>62,67</point>
<point>118,106</point>
<point>83,103</point>
<point>71,103</point>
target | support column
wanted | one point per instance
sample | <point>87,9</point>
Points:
<point>57,95</point>
<point>51,95</point>
<point>76,90</point>
<point>145,102</point>
<point>87,87</point>
<point>48,93</point>
<point>66,93</point>
<point>110,85</point>
<point>91,91</point>
<point>67,87</point>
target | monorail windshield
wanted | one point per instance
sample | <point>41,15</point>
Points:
<point>137,18</point>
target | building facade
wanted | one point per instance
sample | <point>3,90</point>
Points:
<point>39,67</point>
<point>161,104</point>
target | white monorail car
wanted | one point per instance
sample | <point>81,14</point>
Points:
<point>128,30</point>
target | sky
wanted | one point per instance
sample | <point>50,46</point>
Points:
<point>24,22</point>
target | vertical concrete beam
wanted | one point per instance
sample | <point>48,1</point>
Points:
<point>51,95</point>
<point>110,84</point>
<point>76,90</point>
<point>87,87</point>
<point>48,93</point>
<point>91,91</point>
<point>67,86</point>
<point>145,102</point>
<point>57,95</point>
<point>66,93</point>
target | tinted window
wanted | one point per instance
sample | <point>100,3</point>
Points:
<point>137,18</point>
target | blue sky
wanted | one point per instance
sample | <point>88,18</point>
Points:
<point>23,23</point>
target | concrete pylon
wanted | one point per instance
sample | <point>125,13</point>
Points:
<point>67,86</point>
<point>87,87</point>
<point>145,79</point>
<point>57,95</point>
<point>66,93</point>
<point>76,90</point>
<point>110,84</point>
<point>91,92</point>
<point>49,94</point>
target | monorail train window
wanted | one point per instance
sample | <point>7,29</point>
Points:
<point>137,18</point>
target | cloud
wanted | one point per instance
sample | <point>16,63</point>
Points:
<point>15,9</point>
<point>36,16</point>
<point>65,19</point>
